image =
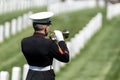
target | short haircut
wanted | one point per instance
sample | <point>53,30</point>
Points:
<point>38,27</point>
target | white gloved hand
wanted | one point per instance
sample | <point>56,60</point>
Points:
<point>59,35</point>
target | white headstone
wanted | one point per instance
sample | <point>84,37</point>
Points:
<point>19,24</point>
<point>25,21</point>
<point>16,73</point>
<point>7,30</point>
<point>4,75</point>
<point>56,65</point>
<point>1,7</point>
<point>25,71</point>
<point>13,27</point>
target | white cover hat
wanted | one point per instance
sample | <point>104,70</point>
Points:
<point>42,17</point>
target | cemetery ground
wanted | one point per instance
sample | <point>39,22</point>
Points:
<point>100,59</point>
<point>10,51</point>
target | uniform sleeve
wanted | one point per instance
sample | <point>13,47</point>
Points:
<point>59,51</point>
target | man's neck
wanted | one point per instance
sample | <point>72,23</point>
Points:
<point>41,32</point>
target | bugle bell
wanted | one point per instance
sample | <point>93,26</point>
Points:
<point>64,32</point>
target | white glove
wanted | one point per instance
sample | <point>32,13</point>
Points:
<point>58,35</point>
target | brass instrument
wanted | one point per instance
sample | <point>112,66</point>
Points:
<point>64,32</point>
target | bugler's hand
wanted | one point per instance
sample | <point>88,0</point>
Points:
<point>59,35</point>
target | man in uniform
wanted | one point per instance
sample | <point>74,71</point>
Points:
<point>39,51</point>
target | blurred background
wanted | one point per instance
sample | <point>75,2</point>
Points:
<point>93,41</point>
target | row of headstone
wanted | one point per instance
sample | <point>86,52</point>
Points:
<point>113,10</point>
<point>15,26</point>
<point>74,45</point>
<point>13,5</point>
<point>16,73</point>
<point>79,40</point>
<point>70,5</point>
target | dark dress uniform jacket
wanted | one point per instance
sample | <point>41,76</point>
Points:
<point>40,52</point>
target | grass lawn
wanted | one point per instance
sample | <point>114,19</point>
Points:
<point>10,49</point>
<point>100,59</point>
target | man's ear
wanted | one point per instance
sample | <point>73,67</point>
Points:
<point>45,29</point>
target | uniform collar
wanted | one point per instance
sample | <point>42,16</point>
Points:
<point>38,34</point>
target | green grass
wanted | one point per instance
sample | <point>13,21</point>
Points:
<point>74,21</point>
<point>10,50</point>
<point>9,16</point>
<point>100,59</point>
